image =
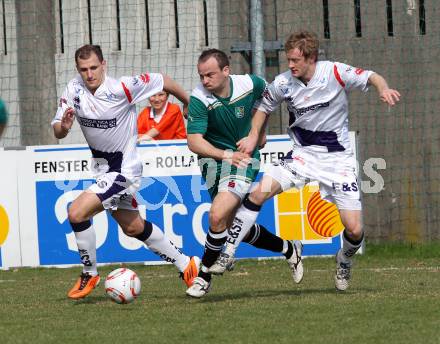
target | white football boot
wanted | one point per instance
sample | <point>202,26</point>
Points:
<point>343,273</point>
<point>295,261</point>
<point>224,262</point>
<point>199,288</point>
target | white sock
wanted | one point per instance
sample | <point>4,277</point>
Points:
<point>348,248</point>
<point>243,222</point>
<point>86,242</point>
<point>165,249</point>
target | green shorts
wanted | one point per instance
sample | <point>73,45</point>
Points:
<point>220,176</point>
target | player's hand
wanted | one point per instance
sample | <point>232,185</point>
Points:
<point>247,144</point>
<point>390,96</point>
<point>237,159</point>
<point>67,119</point>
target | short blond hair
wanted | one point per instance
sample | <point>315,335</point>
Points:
<point>305,41</point>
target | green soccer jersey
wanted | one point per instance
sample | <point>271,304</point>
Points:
<point>224,121</point>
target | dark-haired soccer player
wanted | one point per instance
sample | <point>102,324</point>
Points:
<point>219,121</point>
<point>105,110</point>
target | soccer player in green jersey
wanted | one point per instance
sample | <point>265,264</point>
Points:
<point>220,118</point>
<point>3,116</point>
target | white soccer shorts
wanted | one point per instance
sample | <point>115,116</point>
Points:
<point>335,173</point>
<point>116,191</point>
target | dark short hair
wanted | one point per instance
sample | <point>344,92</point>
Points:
<point>86,51</point>
<point>220,56</point>
<point>305,41</point>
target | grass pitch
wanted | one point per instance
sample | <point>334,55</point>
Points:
<point>394,297</point>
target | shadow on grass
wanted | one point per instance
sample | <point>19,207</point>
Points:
<point>91,299</point>
<point>262,294</point>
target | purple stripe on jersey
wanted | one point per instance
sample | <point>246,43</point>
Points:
<point>112,159</point>
<point>118,185</point>
<point>328,139</point>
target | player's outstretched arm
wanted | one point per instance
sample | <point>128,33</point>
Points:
<point>171,86</point>
<point>61,129</point>
<point>247,144</point>
<point>386,94</point>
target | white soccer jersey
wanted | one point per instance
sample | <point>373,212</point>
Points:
<point>108,119</point>
<point>318,111</point>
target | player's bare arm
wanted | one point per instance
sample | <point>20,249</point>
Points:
<point>171,86</point>
<point>61,129</point>
<point>197,144</point>
<point>256,134</point>
<point>386,94</point>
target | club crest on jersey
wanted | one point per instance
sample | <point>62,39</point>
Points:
<point>239,111</point>
<point>79,90</point>
<point>110,96</point>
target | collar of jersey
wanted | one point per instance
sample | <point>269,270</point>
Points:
<point>231,91</point>
<point>311,81</point>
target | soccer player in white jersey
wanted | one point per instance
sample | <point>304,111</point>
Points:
<point>316,96</point>
<point>105,110</point>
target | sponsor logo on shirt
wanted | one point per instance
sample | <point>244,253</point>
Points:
<point>359,71</point>
<point>97,123</point>
<point>301,111</point>
<point>134,81</point>
<point>239,111</point>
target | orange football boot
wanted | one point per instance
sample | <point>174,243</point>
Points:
<point>83,286</point>
<point>191,271</point>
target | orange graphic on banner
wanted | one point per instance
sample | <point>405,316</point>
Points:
<point>303,215</point>
<point>4,225</point>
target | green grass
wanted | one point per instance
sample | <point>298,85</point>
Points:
<point>394,297</point>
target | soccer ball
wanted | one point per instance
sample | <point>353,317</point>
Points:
<point>122,285</point>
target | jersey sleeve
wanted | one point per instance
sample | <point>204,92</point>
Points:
<point>140,87</point>
<point>197,117</point>
<point>3,113</point>
<point>63,104</point>
<point>271,98</point>
<point>350,77</point>
<point>259,86</point>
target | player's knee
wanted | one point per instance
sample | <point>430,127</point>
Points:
<point>75,214</point>
<point>132,230</point>
<point>354,230</point>
<point>258,197</point>
<point>216,221</point>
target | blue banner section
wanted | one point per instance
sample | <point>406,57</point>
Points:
<point>178,203</point>
<point>1,264</point>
